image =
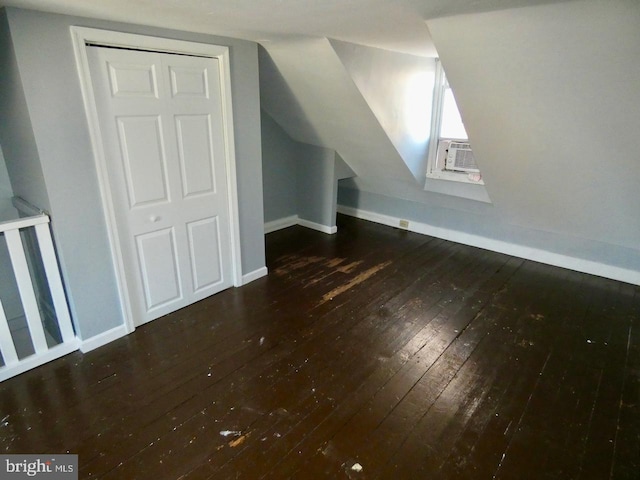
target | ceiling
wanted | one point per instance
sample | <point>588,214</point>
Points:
<point>397,25</point>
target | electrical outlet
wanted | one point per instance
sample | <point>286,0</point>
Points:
<point>404,223</point>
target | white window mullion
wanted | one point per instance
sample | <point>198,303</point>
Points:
<point>436,119</point>
<point>447,127</point>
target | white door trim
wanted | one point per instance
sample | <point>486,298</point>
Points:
<point>81,36</point>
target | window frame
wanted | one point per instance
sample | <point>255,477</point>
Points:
<point>436,156</point>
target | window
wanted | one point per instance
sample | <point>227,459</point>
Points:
<point>450,155</point>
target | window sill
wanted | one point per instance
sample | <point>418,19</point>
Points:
<point>462,177</point>
<point>471,191</point>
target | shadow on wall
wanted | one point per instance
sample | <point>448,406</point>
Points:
<point>7,211</point>
<point>9,295</point>
<point>276,95</point>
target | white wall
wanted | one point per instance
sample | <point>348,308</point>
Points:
<point>372,106</point>
<point>307,90</point>
<point>398,89</point>
<point>550,97</point>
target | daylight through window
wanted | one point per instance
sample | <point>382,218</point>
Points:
<point>450,154</point>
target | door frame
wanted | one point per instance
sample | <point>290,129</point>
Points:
<point>83,35</point>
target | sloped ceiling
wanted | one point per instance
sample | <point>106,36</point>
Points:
<point>306,89</point>
<point>547,88</point>
<point>391,24</point>
<point>398,88</point>
<point>370,105</point>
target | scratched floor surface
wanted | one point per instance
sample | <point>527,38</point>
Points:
<point>373,353</point>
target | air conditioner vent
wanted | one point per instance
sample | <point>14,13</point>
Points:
<point>460,158</point>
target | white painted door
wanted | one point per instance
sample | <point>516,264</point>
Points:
<point>161,120</point>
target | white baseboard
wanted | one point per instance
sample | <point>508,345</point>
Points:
<point>34,361</point>
<point>256,274</point>
<point>281,223</point>
<point>103,338</point>
<point>295,220</point>
<point>537,255</point>
<point>317,226</point>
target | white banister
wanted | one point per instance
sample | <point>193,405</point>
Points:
<point>25,287</point>
<point>26,208</point>
<point>14,361</point>
<point>23,223</point>
<point>55,282</point>
<point>7,348</point>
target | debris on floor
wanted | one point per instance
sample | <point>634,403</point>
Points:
<point>238,441</point>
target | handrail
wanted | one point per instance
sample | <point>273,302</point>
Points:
<point>23,222</point>
<point>26,208</point>
<point>39,312</point>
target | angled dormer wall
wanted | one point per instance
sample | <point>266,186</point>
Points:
<point>20,170</point>
<point>17,139</point>
<point>549,97</point>
<point>398,89</point>
<point>371,106</point>
<point>307,90</point>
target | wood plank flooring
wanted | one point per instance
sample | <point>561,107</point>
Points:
<point>372,353</point>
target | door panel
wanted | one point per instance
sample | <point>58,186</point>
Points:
<point>133,80</point>
<point>161,121</point>
<point>159,268</point>
<point>144,159</point>
<point>196,153</point>
<point>189,81</point>
<point>204,235</point>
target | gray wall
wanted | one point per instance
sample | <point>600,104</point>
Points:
<point>486,222</point>
<point>53,96</point>
<point>18,139</point>
<point>8,289</point>
<point>317,185</point>
<point>279,171</point>
<point>7,212</point>
<point>299,179</point>
<point>16,132</point>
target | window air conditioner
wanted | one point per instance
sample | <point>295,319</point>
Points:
<point>460,158</point>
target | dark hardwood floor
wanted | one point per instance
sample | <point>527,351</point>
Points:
<point>372,353</point>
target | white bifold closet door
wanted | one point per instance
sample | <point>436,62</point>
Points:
<point>161,122</point>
